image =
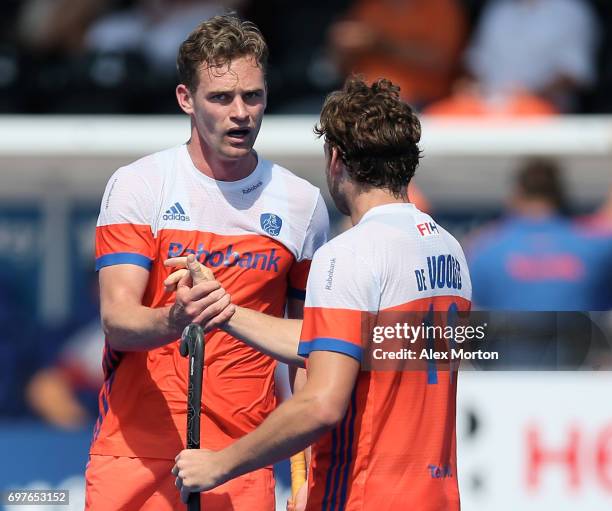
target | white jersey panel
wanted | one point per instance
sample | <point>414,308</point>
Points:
<point>127,199</point>
<point>317,232</point>
<point>166,191</point>
<point>340,278</point>
<point>395,255</point>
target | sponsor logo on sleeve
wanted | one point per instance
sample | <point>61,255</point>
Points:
<point>330,274</point>
<point>428,229</point>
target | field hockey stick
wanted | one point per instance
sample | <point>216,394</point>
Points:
<point>192,346</point>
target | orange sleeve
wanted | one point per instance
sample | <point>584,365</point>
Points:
<point>298,276</point>
<point>124,244</point>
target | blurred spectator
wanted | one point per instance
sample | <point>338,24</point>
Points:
<point>599,222</point>
<point>100,56</point>
<point>57,26</point>
<point>537,47</point>
<point>154,27</point>
<point>64,391</point>
<point>414,43</point>
<point>64,394</point>
<point>467,101</point>
<point>535,258</point>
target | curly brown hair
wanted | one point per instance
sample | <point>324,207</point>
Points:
<point>376,133</point>
<point>215,43</point>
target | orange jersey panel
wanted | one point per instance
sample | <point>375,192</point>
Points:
<point>238,390</point>
<point>395,448</point>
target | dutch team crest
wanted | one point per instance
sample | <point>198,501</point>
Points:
<point>271,223</point>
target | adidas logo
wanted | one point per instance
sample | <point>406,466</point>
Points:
<point>176,212</point>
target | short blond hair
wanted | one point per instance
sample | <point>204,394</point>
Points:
<point>216,42</point>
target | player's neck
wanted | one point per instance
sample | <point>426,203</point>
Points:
<point>362,202</point>
<point>534,208</point>
<point>220,169</point>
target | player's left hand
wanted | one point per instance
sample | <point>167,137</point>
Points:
<point>194,273</point>
<point>197,470</point>
<point>171,282</point>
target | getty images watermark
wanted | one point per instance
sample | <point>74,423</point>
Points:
<point>489,340</point>
<point>404,341</point>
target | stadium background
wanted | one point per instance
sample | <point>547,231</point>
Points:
<point>71,115</point>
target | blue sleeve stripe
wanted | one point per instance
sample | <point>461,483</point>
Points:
<point>300,294</point>
<point>123,258</point>
<point>329,344</point>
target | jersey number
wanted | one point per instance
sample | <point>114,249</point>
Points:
<point>451,318</point>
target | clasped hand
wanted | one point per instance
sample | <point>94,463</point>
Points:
<point>199,297</point>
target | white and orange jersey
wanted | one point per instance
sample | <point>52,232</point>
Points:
<point>257,235</point>
<point>395,447</point>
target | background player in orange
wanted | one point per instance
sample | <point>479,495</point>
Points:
<point>383,440</point>
<point>255,223</point>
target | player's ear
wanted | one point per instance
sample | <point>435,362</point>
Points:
<point>184,98</point>
<point>336,165</point>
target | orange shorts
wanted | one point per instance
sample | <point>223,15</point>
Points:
<point>130,484</point>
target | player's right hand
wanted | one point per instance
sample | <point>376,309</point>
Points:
<point>199,298</point>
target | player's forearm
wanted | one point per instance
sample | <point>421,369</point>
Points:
<point>138,328</point>
<point>292,427</point>
<point>276,337</point>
